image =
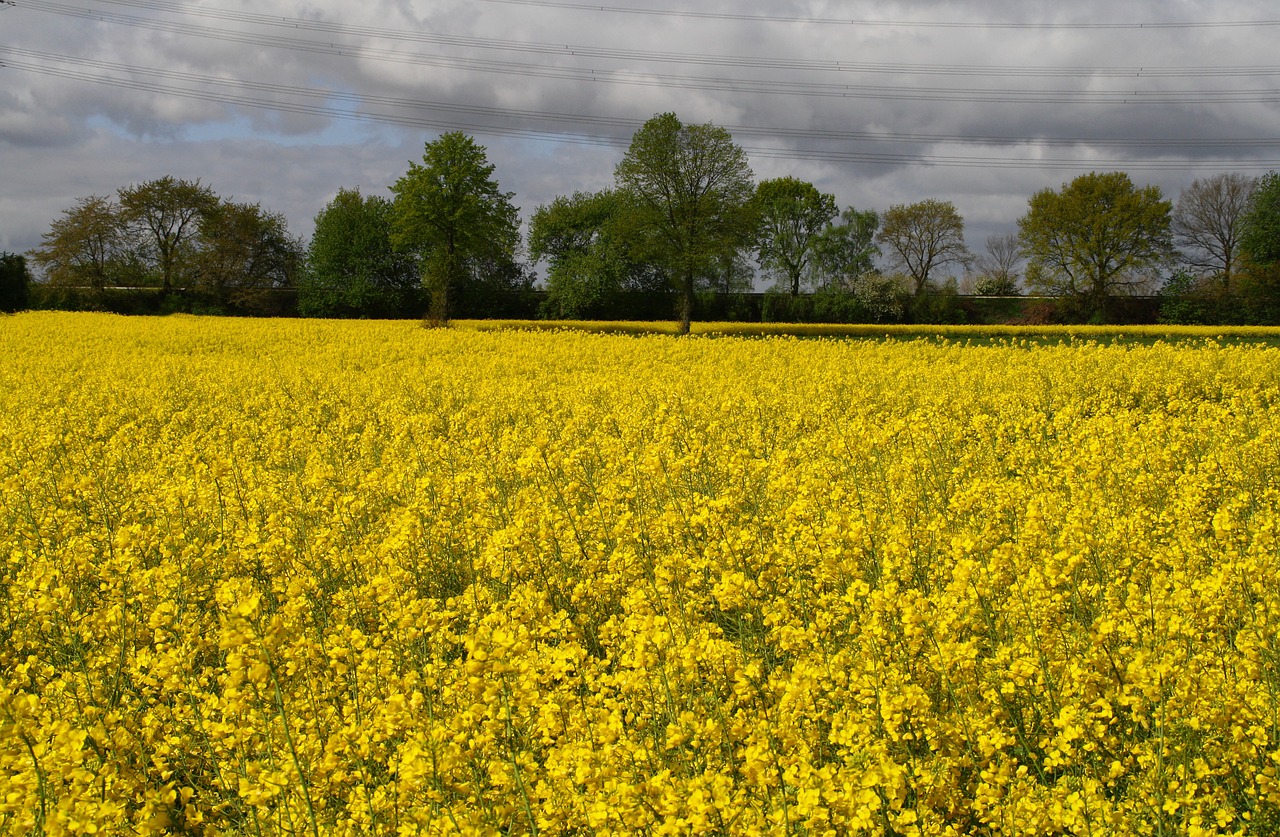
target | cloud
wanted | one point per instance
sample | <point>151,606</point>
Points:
<point>979,103</point>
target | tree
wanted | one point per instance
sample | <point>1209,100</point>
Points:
<point>86,247</point>
<point>1099,236</point>
<point>1208,222</point>
<point>846,250</point>
<point>688,187</point>
<point>244,250</point>
<point>922,238</point>
<point>166,214</point>
<point>791,215</point>
<point>1260,249</point>
<point>998,266</point>
<point>450,211</point>
<point>1260,225</point>
<point>584,239</point>
<point>14,282</point>
<point>351,267</point>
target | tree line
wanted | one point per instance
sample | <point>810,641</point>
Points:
<point>683,220</point>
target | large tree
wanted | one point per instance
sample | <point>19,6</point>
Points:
<point>351,269</point>
<point>689,188</point>
<point>1260,225</point>
<point>87,247</point>
<point>584,240</point>
<point>14,282</point>
<point>451,212</point>
<point>1208,221</point>
<point>1098,237</point>
<point>791,215</point>
<point>922,238</point>
<point>1260,249</point>
<point>166,215</point>
<point>243,249</point>
<point>847,250</point>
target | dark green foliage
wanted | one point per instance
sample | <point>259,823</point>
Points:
<point>940,304</point>
<point>846,250</point>
<point>1260,240</point>
<point>1187,299</point>
<point>496,285</point>
<point>869,298</point>
<point>790,216</point>
<point>591,263</point>
<point>687,190</point>
<point>244,251</point>
<point>351,268</point>
<point>14,282</point>
<point>463,229</point>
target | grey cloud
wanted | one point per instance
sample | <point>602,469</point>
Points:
<point>61,139</point>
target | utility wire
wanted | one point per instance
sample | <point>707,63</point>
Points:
<point>589,51</point>
<point>817,144</point>
<point>1129,96</point>
<point>844,21</point>
<point>619,125</point>
<point>224,91</point>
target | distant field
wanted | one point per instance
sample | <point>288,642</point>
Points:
<point>308,577</point>
<point>1269,334</point>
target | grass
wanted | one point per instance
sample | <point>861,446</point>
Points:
<point>1269,335</point>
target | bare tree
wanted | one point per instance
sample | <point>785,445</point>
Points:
<point>1208,223</point>
<point>998,267</point>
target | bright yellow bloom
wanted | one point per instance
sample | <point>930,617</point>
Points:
<point>366,578</point>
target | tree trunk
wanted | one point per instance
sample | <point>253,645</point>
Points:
<point>439,276</point>
<point>686,304</point>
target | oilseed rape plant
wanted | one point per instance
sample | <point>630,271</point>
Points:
<point>337,578</point>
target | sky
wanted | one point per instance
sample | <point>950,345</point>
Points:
<point>283,103</point>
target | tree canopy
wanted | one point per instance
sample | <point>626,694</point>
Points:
<point>1260,225</point>
<point>243,250</point>
<point>351,267</point>
<point>1097,237</point>
<point>450,211</point>
<point>584,239</point>
<point>791,215</point>
<point>922,238</point>
<point>166,216</point>
<point>14,281</point>
<point>688,189</point>
<point>997,267</point>
<point>89,246</point>
<point>846,250</point>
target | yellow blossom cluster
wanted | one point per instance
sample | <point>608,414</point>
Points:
<point>334,578</point>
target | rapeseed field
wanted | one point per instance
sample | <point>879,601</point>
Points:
<point>339,578</point>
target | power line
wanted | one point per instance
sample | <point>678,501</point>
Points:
<point>620,124</point>
<point>220,91</point>
<point>739,84</point>
<point>589,51</point>
<point>840,21</point>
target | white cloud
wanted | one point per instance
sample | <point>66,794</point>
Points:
<point>482,65</point>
